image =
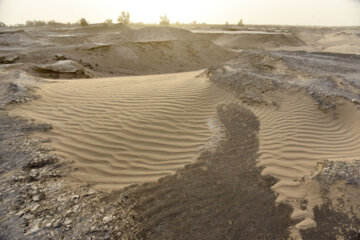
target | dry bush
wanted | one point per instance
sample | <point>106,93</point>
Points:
<point>124,18</point>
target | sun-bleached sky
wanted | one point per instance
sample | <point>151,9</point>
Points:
<point>289,12</point>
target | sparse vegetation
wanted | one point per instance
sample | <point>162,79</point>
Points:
<point>124,18</point>
<point>53,23</point>
<point>83,22</point>
<point>35,23</point>
<point>164,20</point>
<point>39,23</point>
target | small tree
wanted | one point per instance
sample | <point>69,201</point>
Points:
<point>30,23</point>
<point>108,22</point>
<point>83,22</point>
<point>240,23</point>
<point>124,18</point>
<point>51,23</point>
<point>164,20</point>
<point>38,23</point>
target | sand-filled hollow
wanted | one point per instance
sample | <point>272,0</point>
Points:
<point>127,130</point>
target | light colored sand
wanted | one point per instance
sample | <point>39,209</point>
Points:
<point>239,32</point>
<point>346,41</point>
<point>295,137</point>
<point>253,40</point>
<point>337,40</point>
<point>127,130</point>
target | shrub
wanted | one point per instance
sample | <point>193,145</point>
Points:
<point>108,22</point>
<point>164,20</point>
<point>35,23</point>
<point>83,22</point>
<point>240,23</point>
<point>53,23</point>
<point>39,23</point>
<point>124,18</point>
<point>2,24</point>
<point>29,23</point>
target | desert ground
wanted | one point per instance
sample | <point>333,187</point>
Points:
<point>180,132</point>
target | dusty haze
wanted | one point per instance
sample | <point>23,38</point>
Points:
<point>307,12</point>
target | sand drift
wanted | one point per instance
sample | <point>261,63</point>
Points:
<point>121,131</point>
<point>132,130</point>
<point>294,138</point>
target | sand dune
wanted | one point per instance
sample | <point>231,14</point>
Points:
<point>297,136</point>
<point>336,40</point>
<point>121,131</point>
<point>127,130</point>
<point>255,40</point>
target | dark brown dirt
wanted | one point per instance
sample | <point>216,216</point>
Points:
<point>108,51</point>
<point>330,224</point>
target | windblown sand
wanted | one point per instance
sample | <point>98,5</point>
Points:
<point>128,130</point>
<point>294,137</point>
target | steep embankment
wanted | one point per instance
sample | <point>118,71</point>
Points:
<point>116,51</point>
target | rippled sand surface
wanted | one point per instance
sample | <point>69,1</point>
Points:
<point>294,137</point>
<point>127,130</point>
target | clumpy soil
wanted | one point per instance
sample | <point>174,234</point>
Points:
<point>332,225</point>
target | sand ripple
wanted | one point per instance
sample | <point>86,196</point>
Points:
<point>295,137</point>
<point>127,130</point>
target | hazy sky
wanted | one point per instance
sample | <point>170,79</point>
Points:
<point>291,12</point>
